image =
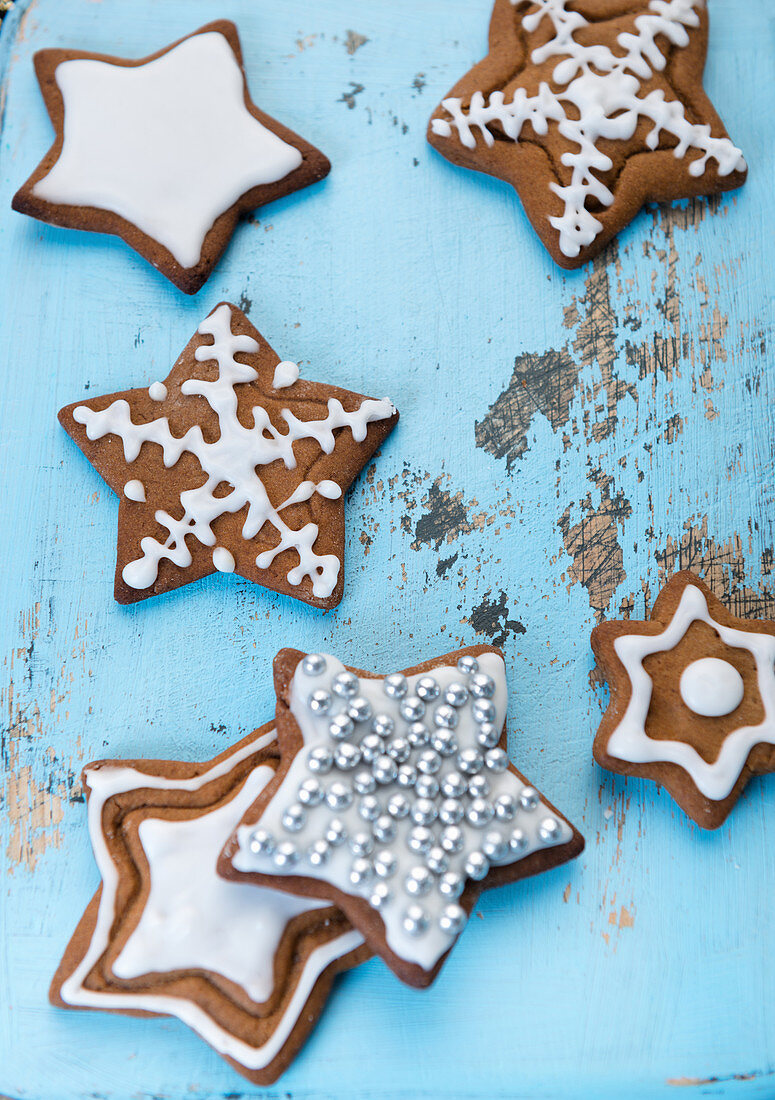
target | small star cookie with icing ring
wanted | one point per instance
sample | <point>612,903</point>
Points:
<point>166,152</point>
<point>589,109</point>
<point>233,465</point>
<point>692,699</point>
<point>395,799</point>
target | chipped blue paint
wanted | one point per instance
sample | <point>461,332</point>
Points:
<point>646,969</point>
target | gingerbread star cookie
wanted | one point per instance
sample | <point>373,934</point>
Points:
<point>165,152</point>
<point>231,464</point>
<point>692,699</point>
<point>395,799</point>
<point>589,109</point>
<point>247,968</point>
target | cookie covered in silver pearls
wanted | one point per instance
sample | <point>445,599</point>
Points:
<point>396,800</point>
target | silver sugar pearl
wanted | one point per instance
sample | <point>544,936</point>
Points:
<point>372,746</point>
<point>488,735</point>
<point>361,872</point>
<point>399,748</point>
<point>359,709</point>
<point>494,846</point>
<point>468,665</point>
<point>310,792</point>
<point>483,710</point>
<point>424,812</point>
<point>528,799</point>
<point>320,760</point>
<point>427,689</point>
<point>454,785</point>
<point>369,808</point>
<point>456,694</point>
<point>412,709</point>
<point>470,761</point>
<point>384,769</point>
<point>383,725</point>
<point>361,844</point>
<point>445,742</point>
<point>347,756</point>
<point>549,829</point>
<point>364,782</point>
<point>418,882</point>
<point>451,811</point>
<point>261,842</point>
<point>415,920</point>
<point>285,854</point>
<point>428,762</point>
<point>451,884</point>
<point>319,853</point>
<point>345,685</point>
<point>380,895</point>
<point>426,786</point>
<point>496,760</point>
<point>452,839</point>
<point>407,776</point>
<point>436,860</point>
<point>314,665</point>
<point>452,919</point>
<point>398,805</point>
<point>445,716</point>
<point>385,863</point>
<point>479,813</point>
<point>336,832</point>
<point>339,796</point>
<point>320,701</point>
<point>476,865</point>
<point>482,686</point>
<point>478,787</point>
<point>505,807</point>
<point>420,839</point>
<point>417,734</point>
<point>395,686</point>
<point>384,829</point>
<point>517,841</point>
<point>341,727</point>
<point>294,818</point>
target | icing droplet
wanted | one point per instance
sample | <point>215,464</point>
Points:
<point>135,490</point>
<point>223,560</point>
<point>711,687</point>
<point>157,391</point>
<point>285,374</point>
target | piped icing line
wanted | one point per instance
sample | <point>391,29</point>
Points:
<point>399,795</point>
<point>168,144</point>
<point>139,954</point>
<point>629,740</point>
<point>602,89</point>
<point>233,458</point>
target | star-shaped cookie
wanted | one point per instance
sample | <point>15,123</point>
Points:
<point>248,969</point>
<point>692,699</point>
<point>166,152</point>
<point>231,464</point>
<point>395,800</point>
<point>589,109</point>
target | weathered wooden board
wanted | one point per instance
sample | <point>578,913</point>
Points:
<point>567,441</point>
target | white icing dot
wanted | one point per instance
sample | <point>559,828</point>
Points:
<point>135,490</point>
<point>223,560</point>
<point>285,374</point>
<point>711,687</point>
<point>157,391</point>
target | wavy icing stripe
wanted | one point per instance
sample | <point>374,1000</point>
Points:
<point>603,90</point>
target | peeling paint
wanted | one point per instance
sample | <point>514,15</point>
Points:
<point>354,41</point>
<point>349,97</point>
<point>491,618</point>
<point>593,544</point>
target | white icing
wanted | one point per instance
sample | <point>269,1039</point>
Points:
<point>157,391</point>
<point>711,687</point>
<point>599,99</point>
<point>629,741</point>
<point>233,458</point>
<point>223,560</point>
<point>135,490</point>
<point>192,917</point>
<point>169,144</point>
<point>425,949</point>
<point>285,374</point>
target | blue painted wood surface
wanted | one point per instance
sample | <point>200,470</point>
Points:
<point>631,433</point>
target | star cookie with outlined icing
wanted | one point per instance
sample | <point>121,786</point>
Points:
<point>692,702</point>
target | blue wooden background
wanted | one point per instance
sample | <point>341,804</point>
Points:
<point>566,441</point>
